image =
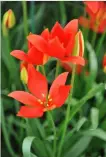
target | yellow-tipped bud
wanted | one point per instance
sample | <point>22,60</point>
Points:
<point>9,19</point>
<point>24,75</point>
<point>79,45</point>
<point>76,45</point>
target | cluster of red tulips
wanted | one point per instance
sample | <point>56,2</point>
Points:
<point>67,46</point>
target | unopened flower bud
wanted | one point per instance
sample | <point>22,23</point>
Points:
<point>24,73</point>
<point>79,45</point>
<point>9,19</point>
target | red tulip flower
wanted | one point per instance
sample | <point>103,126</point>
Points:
<point>104,63</point>
<point>34,56</point>
<point>41,100</point>
<point>97,13</point>
<point>65,43</point>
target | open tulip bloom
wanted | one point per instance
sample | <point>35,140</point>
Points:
<point>41,100</point>
<point>65,44</point>
<point>97,14</point>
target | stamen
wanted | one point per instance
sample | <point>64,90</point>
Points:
<point>47,105</point>
<point>50,99</point>
<point>39,100</point>
<point>48,96</point>
<point>43,95</point>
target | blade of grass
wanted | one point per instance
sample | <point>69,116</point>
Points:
<point>5,134</point>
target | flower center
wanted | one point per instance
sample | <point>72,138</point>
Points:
<point>47,103</point>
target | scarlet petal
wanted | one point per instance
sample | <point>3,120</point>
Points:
<point>35,56</point>
<point>37,83</point>
<point>20,55</point>
<point>56,49</point>
<point>93,6</point>
<point>60,80</point>
<point>58,31</point>
<point>25,98</point>
<point>84,22</point>
<point>67,66</point>
<point>70,45</point>
<point>28,112</point>
<point>45,34</point>
<point>59,95</point>
<point>38,41</point>
<point>102,27</point>
<point>75,60</point>
<point>72,26</point>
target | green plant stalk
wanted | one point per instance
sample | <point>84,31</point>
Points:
<point>100,42</point>
<point>62,12</point>
<point>54,130</point>
<point>51,119</point>
<point>32,12</point>
<point>67,113</point>
<point>94,39</point>
<point>25,21</point>
<point>57,68</point>
<point>6,136</point>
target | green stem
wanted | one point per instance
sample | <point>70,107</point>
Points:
<point>62,12</point>
<point>93,39</point>
<point>24,5</point>
<point>101,40</point>
<point>5,134</point>
<point>54,129</point>
<point>67,113</point>
<point>32,13</point>
<point>57,68</point>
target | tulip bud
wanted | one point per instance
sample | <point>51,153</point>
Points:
<point>104,63</point>
<point>76,45</point>
<point>79,45</point>
<point>9,19</point>
<point>24,73</point>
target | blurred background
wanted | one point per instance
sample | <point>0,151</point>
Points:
<point>42,14</point>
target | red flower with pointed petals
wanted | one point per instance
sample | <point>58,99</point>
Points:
<point>61,42</point>
<point>41,99</point>
<point>97,13</point>
<point>35,54</point>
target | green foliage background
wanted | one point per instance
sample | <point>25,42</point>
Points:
<point>86,135</point>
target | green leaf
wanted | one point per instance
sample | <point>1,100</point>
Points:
<point>32,155</point>
<point>92,62</point>
<point>80,123</point>
<point>94,117</point>
<point>26,146</point>
<point>96,133</point>
<point>88,96</point>
<point>79,147</point>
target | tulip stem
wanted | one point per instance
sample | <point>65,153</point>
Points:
<point>24,5</point>
<point>67,113</point>
<point>100,42</point>
<point>57,68</point>
<point>93,39</point>
<point>54,129</point>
